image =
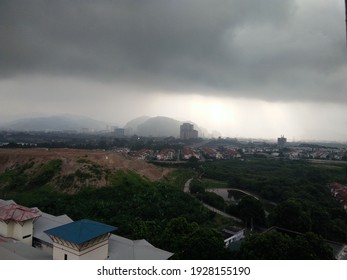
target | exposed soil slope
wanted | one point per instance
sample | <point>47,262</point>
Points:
<point>74,159</point>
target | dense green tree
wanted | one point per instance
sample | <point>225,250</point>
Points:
<point>173,220</point>
<point>279,246</point>
<point>290,215</point>
<point>212,199</point>
<point>271,246</point>
<point>149,230</point>
<point>186,240</point>
<point>175,235</point>
<point>204,244</point>
<point>196,187</point>
<point>251,211</point>
<point>46,172</point>
<point>311,247</point>
<point>234,181</point>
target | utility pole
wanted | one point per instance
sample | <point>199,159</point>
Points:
<point>346,19</point>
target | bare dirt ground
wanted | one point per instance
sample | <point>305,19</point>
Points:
<point>111,160</point>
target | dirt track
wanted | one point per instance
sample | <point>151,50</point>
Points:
<point>109,159</point>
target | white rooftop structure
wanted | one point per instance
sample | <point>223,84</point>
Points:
<point>21,251</point>
<point>120,248</point>
<point>46,222</point>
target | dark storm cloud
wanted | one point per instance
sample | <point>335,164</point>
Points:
<point>245,48</point>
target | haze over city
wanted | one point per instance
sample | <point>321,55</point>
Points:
<point>244,68</point>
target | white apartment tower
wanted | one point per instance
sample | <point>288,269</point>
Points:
<point>187,131</point>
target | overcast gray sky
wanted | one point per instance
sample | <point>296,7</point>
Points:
<point>244,67</point>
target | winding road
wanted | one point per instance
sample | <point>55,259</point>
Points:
<point>215,210</point>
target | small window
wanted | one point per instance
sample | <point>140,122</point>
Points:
<point>65,256</point>
<point>27,236</point>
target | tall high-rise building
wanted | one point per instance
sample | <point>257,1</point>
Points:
<point>187,131</point>
<point>281,142</point>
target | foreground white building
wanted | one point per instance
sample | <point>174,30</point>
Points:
<point>16,222</point>
<point>80,240</point>
<point>28,233</point>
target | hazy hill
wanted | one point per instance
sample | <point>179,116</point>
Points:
<point>132,125</point>
<point>55,123</point>
<point>143,126</point>
<point>159,127</point>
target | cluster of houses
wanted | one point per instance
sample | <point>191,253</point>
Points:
<point>223,153</point>
<point>169,154</point>
<point>166,154</point>
<point>299,152</point>
<point>316,153</point>
<point>148,154</point>
<point>141,154</point>
<point>229,152</point>
<point>188,153</point>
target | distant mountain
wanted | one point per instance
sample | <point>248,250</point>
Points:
<point>131,126</point>
<point>55,123</point>
<point>143,126</point>
<point>159,127</point>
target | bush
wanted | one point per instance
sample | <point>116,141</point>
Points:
<point>46,172</point>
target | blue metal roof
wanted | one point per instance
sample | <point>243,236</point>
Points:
<point>80,231</point>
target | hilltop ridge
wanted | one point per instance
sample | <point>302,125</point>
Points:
<point>68,168</point>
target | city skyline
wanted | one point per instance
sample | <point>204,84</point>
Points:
<point>243,68</point>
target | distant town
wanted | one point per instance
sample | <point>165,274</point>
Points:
<point>188,145</point>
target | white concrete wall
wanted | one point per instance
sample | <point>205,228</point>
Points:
<point>18,231</point>
<point>47,249</point>
<point>21,230</point>
<point>97,252</point>
<point>236,237</point>
<point>43,246</point>
<point>3,229</point>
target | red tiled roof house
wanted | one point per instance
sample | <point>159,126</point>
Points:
<point>16,222</point>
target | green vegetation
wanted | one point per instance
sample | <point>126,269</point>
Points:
<point>197,189</point>
<point>46,172</point>
<point>16,178</point>
<point>277,180</point>
<point>304,201</point>
<point>93,168</point>
<point>140,209</point>
<point>250,210</point>
<point>67,182</point>
<point>210,184</point>
<point>180,176</point>
<point>19,178</point>
<point>163,214</point>
<point>279,246</point>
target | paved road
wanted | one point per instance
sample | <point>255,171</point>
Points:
<point>187,185</point>
<point>215,210</point>
<point>243,191</point>
<point>253,195</point>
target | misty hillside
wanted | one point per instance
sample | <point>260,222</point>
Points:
<point>143,126</point>
<point>159,127</point>
<point>55,123</point>
<point>131,126</point>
